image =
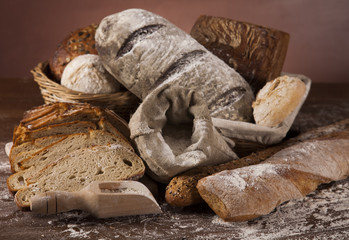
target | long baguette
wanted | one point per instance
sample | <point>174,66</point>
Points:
<point>182,191</point>
<point>249,192</point>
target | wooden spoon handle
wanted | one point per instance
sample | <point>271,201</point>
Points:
<point>56,202</point>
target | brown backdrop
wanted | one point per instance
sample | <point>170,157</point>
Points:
<point>319,45</point>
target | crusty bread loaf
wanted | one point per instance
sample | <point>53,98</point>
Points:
<point>81,167</point>
<point>277,100</point>
<point>256,52</point>
<point>78,42</point>
<point>29,166</point>
<point>249,192</point>
<point>130,43</point>
<point>86,74</point>
<point>182,191</point>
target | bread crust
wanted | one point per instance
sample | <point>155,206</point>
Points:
<point>277,100</point>
<point>78,42</point>
<point>253,191</point>
<point>256,52</point>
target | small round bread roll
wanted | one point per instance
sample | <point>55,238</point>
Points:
<point>78,42</point>
<point>86,74</point>
<point>277,100</point>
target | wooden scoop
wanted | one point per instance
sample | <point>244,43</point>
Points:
<point>101,199</point>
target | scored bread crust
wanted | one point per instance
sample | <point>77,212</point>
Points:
<point>81,167</point>
<point>179,60</point>
<point>277,100</point>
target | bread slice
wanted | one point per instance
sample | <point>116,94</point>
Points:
<point>81,167</point>
<point>26,149</point>
<point>57,113</point>
<point>55,129</point>
<point>55,151</point>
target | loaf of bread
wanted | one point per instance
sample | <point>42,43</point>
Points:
<point>86,74</point>
<point>182,191</point>
<point>81,167</point>
<point>75,138</point>
<point>50,120</point>
<point>78,42</point>
<point>277,100</point>
<point>249,192</point>
<point>256,52</point>
<point>144,51</point>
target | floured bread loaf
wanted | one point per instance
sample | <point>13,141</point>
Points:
<point>277,100</point>
<point>249,192</point>
<point>86,74</point>
<point>144,51</point>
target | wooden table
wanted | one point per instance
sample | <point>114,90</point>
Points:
<point>323,214</point>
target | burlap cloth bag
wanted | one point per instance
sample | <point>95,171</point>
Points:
<point>173,132</point>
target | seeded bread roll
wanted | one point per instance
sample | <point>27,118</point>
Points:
<point>79,42</point>
<point>86,74</point>
<point>277,100</point>
<point>143,51</point>
<point>256,52</point>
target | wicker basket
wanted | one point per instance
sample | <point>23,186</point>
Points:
<point>124,103</point>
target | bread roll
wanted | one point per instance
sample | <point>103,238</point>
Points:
<point>143,51</point>
<point>86,74</point>
<point>277,100</point>
<point>256,52</point>
<point>79,42</point>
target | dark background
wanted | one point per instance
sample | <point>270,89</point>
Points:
<point>319,45</point>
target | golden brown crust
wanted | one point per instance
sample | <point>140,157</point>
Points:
<point>79,42</point>
<point>256,52</point>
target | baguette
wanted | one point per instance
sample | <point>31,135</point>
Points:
<point>182,191</point>
<point>249,192</point>
<point>81,167</point>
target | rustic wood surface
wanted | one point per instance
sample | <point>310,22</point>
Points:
<point>323,214</point>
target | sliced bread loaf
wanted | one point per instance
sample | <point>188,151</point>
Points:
<point>81,167</point>
<point>51,153</point>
